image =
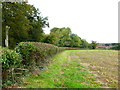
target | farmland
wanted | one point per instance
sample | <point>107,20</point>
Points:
<point>78,69</point>
<point>32,58</point>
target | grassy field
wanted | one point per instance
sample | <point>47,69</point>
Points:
<point>78,69</point>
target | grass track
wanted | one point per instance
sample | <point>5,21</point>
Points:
<point>71,69</point>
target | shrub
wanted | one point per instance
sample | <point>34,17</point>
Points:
<point>27,51</point>
<point>10,60</point>
<point>35,52</point>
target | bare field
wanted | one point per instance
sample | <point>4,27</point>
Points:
<point>102,63</point>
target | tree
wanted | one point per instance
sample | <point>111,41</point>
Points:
<point>84,44</point>
<point>37,22</point>
<point>60,36</point>
<point>116,46</point>
<point>13,16</point>
<point>75,40</point>
<point>93,44</point>
<point>24,21</point>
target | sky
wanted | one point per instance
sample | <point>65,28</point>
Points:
<point>95,20</point>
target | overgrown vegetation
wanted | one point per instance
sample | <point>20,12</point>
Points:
<point>25,58</point>
<point>34,53</point>
<point>10,60</point>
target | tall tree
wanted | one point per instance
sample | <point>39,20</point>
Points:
<point>75,40</point>
<point>60,36</point>
<point>24,21</point>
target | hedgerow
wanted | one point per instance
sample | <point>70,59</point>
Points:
<point>10,60</point>
<point>34,53</point>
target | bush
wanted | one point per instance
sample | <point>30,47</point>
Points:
<point>35,52</point>
<point>27,51</point>
<point>10,60</point>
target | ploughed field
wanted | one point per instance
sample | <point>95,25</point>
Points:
<point>78,69</point>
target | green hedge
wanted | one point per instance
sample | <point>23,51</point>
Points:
<point>35,52</point>
<point>10,60</point>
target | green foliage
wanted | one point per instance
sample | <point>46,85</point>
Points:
<point>116,47</point>
<point>60,36</point>
<point>35,52</point>
<point>93,44</point>
<point>26,50</point>
<point>63,37</point>
<point>24,21</point>
<point>10,58</point>
<point>26,55</point>
<point>75,40</point>
<point>84,44</point>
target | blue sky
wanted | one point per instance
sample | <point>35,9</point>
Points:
<point>90,19</point>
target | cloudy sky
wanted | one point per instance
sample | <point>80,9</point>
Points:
<point>90,19</point>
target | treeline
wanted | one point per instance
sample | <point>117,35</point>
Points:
<point>114,46</point>
<point>26,24</point>
<point>63,37</point>
<point>107,44</point>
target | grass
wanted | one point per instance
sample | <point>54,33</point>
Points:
<point>77,69</point>
<point>65,71</point>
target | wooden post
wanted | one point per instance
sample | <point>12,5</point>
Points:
<point>7,32</point>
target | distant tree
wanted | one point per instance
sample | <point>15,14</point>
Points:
<point>75,40</point>
<point>113,44</point>
<point>84,44</point>
<point>107,44</point>
<point>60,36</point>
<point>93,44</point>
<point>116,47</point>
<point>63,37</point>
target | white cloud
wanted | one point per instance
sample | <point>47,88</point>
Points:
<point>90,19</point>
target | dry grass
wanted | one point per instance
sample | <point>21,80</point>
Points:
<point>102,63</point>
